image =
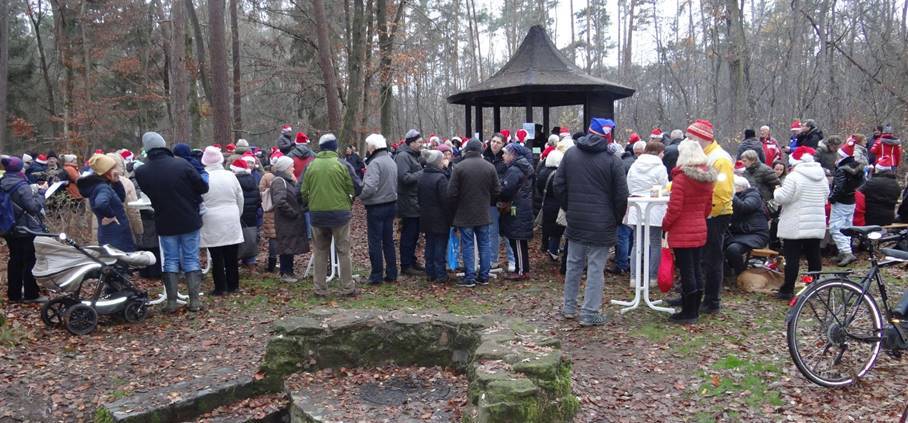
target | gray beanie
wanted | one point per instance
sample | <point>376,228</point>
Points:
<point>473,145</point>
<point>152,140</point>
<point>412,135</point>
<point>432,157</point>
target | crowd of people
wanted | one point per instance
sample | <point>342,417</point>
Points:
<point>476,204</point>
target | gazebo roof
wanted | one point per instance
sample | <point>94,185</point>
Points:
<point>538,75</point>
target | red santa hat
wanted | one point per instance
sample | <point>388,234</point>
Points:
<point>239,166</point>
<point>565,132</point>
<point>230,148</point>
<point>42,158</point>
<point>98,151</point>
<point>656,134</point>
<point>634,138</point>
<point>286,129</point>
<point>126,155</point>
<point>739,167</point>
<point>301,138</point>
<point>847,149</point>
<point>884,163</point>
<point>522,135</point>
<point>802,154</point>
<point>796,125</point>
<point>276,154</point>
<point>506,134</point>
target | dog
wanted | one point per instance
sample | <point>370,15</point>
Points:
<point>762,279</point>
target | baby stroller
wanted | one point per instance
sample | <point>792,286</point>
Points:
<point>62,266</point>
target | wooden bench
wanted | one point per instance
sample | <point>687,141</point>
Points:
<point>763,252</point>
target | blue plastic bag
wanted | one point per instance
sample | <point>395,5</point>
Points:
<point>453,249</point>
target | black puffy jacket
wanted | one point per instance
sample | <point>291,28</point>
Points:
<point>881,193</point>
<point>408,173</point>
<point>810,139</point>
<point>434,213</point>
<point>517,188</point>
<point>848,177</point>
<point>175,190</point>
<point>252,199</point>
<point>592,187</point>
<point>749,223</point>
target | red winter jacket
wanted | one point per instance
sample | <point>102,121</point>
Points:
<point>771,150</point>
<point>690,202</point>
<point>859,209</point>
<point>300,165</point>
<point>888,145</point>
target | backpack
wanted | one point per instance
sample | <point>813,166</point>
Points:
<point>7,210</point>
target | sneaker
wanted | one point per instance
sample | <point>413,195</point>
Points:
<point>466,284</point>
<point>289,279</point>
<point>569,316</point>
<point>847,259</point>
<point>596,320</point>
<point>512,267</point>
<point>553,256</point>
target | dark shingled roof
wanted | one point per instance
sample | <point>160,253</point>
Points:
<point>539,75</point>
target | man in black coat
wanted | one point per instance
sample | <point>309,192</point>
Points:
<point>434,214</point>
<point>408,173</point>
<point>751,143</point>
<point>473,186</point>
<point>175,190</point>
<point>670,156</point>
<point>592,188</point>
<point>848,176</point>
<point>810,135</point>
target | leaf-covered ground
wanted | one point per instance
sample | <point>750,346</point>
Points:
<point>733,366</point>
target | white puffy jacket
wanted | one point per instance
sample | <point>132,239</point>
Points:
<point>646,172</point>
<point>224,202</point>
<point>803,200</point>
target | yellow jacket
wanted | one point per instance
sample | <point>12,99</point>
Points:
<point>724,189</point>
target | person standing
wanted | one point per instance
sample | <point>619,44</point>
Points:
<point>27,210</point>
<point>848,176</point>
<point>252,200</point>
<point>771,149</point>
<point>353,158</point>
<point>107,197</point>
<point>473,186</point>
<point>379,195</point>
<point>222,231</point>
<point>175,190</point>
<point>71,168</point>
<point>517,215</point>
<point>881,193</point>
<point>329,186</point>
<point>670,156</point>
<point>408,173</point>
<point>551,230</point>
<point>751,143</point>
<point>591,185</point>
<point>626,232</point>
<point>494,153</point>
<point>802,222</point>
<point>289,216</point>
<point>810,135</point>
<point>720,216</point>
<point>434,218</point>
<point>888,145</point>
<point>647,172</point>
<point>685,222</point>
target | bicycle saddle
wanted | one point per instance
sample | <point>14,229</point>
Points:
<point>897,254</point>
<point>860,230</point>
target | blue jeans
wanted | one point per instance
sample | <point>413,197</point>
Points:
<point>495,239</point>
<point>466,246</point>
<point>623,249</point>
<point>380,228</point>
<point>436,249</point>
<point>554,245</point>
<point>409,237</point>
<point>595,258</point>
<point>180,252</point>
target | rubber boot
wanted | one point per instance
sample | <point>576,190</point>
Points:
<point>690,308</point>
<point>272,264</point>
<point>170,287</point>
<point>194,280</point>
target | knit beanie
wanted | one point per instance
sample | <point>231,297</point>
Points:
<point>101,163</point>
<point>432,157</point>
<point>376,141</point>
<point>152,140</point>
<point>701,129</point>
<point>473,145</point>
<point>327,142</point>
<point>12,164</point>
<point>412,135</point>
<point>212,156</point>
<point>602,127</point>
<point>283,164</point>
<point>242,146</point>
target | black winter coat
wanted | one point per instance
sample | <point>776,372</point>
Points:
<point>749,223</point>
<point>881,193</point>
<point>550,202</point>
<point>810,139</point>
<point>763,178</point>
<point>670,156</point>
<point>473,186</point>
<point>751,144</point>
<point>848,177</point>
<point>252,199</point>
<point>409,172</point>
<point>434,213</point>
<point>902,212</point>
<point>175,190</point>
<point>496,160</point>
<point>517,188</point>
<point>592,187</point>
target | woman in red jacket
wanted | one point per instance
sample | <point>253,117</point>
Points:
<point>685,223</point>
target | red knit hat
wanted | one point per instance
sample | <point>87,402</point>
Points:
<point>702,129</point>
<point>301,138</point>
<point>847,149</point>
<point>633,138</point>
<point>239,166</point>
<point>656,134</point>
<point>796,125</point>
<point>506,134</point>
<point>521,135</point>
<point>230,148</point>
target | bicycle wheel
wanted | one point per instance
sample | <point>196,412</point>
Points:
<point>834,332</point>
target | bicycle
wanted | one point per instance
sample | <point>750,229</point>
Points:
<point>835,327</point>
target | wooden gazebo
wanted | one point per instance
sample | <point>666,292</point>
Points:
<point>539,76</point>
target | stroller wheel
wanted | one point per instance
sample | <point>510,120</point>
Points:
<point>80,319</point>
<point>52,311</point>
<point>135,311</point>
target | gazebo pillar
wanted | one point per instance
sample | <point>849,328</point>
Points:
<point>468,117</point>
<point>586,115</point>
<point>543,137</point>
<point>529,113</point>
<point>479,122</point>
<point>496,119</point>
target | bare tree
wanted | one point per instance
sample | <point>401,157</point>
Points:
<point>4,70</point>
<point>386,31</point>
<point>354,73</point>
<point>220,91</point>
<point>179,80</point>
<point>237,89</point>
<point>326,65</point>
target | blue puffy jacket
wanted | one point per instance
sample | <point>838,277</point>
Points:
<point>107,201</point>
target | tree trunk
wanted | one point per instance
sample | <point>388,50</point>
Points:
<point>199,50</point>
<point>326,65</point>
<point>737,63</point>
<point>629,38</point>
<point>385,46</point>
<point>367,70</point>
<point>354,73</point>
<point>220,92</point>
<point>237,92</point>
<point>35,17</point>
<point>179,81</point>
<point>4,71</point>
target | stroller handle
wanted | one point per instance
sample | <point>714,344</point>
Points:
<point>44,234</point>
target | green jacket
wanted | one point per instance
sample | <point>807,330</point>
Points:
<point>329,185</point>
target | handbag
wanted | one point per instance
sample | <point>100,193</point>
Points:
<point>561,219</point>
<point>545,192</point>
<point>250,246</point>
<point>666,268</point>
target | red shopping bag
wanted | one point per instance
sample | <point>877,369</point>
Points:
<point>666,270</point>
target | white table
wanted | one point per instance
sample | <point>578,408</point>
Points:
<point>642,206</point>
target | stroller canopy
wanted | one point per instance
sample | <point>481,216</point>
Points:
<point>53,256</point>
